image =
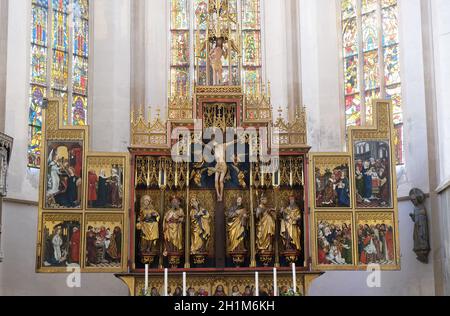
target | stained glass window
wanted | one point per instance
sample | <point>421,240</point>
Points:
<point>191,15</point>
<point>370,42</point>
<point>59,64</point>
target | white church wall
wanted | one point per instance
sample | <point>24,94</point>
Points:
<point>320,74</point>
<point>157,52</point>
<point>110,121</point>
<point>23,182</point>
<point>275,53</point>
<point>440,11</point>
<point>414,105</point>
<point>441,21</point>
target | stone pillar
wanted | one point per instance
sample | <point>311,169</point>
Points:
<point>3,60</point>
<point>5,155</point>
<point>293,44</point>
<point>138,41</point>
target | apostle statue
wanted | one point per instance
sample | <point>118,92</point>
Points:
<point>237,226</point>
<point>420,219</point>
<point>290,230</point>
<point>265,226</point>
<point>148,224</point>
<point>200,227</point>
<point>173,227</point>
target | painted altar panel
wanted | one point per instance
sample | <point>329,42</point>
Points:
<point>59,245</point>
<point>105,182</point>
<point>332,182</point>
<point>373,209</point>
<point>104,239</point>
<point>375,238</point>
<point>64,176</point>
<point>372,173</point>
<point>65,211</point>
<point>333,240</point>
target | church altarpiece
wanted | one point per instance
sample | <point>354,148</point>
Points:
<point>108,206</point>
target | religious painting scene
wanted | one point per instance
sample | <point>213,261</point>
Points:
<point>230,165</point>
<point>373,174</point>
<point>61,240</point>
<point>104,241</point>
<point>376,239</point>
<point>334,239</point>
<point>332,182</point>
<point>105,183</point>
<point>64,175</point>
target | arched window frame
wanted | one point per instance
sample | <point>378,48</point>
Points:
<point>59,64</point>
<point>361,82</point>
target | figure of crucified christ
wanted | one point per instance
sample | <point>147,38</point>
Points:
<point>221,168</point>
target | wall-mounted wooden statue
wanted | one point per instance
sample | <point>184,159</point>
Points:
<point>420,219</point>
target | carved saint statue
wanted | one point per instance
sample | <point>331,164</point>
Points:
<point>148,224</point>
<point>200,227</point>
<point>420,219</point>
<point>173,227</point>
<point>237,226</point>
<point>290,231</point>
<point>215,57</point>
<point>265,226</point>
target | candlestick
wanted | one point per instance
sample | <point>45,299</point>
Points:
<point>166,282</point>
<point>275,282</point>
<point>294,278</point>
<point>146,280</point>
<point>256,283</point>
<point>184,284</point>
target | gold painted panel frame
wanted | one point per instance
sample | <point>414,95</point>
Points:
<point>55,254</point>
<point>54,133</point>
<point>328,220</point>
<point>104,241</point>
<point>382,131</point>
<point>113,166</point>
<point>330,164</point>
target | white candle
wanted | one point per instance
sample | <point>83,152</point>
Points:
<point>184,284</point>
<point>256,283</point>
<point>294,278</point>
<point>146,279</point>
<point>166,282</point>
<point>275,282</point>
